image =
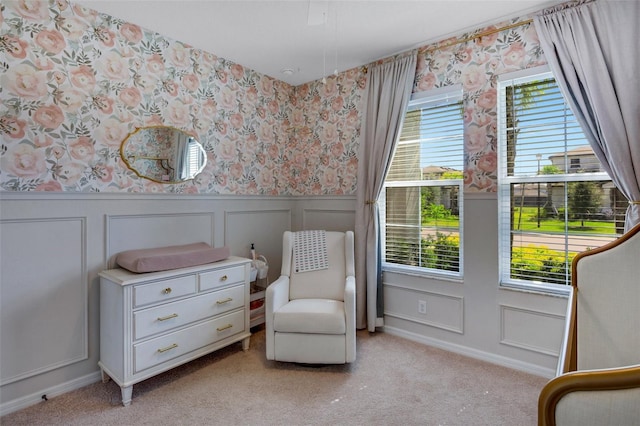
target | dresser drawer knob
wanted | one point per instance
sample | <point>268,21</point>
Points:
<point>223,278</point>
<point>222,302</point>
<point>167,290</point>
<point>168,317</point>
<point>168,348</point>
<point>225,327</point>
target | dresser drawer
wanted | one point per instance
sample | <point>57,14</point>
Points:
<point>159,319</point>
<point>165,290</point>
<point>164,348</point>
<point>213,279</point>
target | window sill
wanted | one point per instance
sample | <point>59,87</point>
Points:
<point>539,289</point>
<point>424,274</point>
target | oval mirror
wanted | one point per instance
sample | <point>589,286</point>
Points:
<point>163,154</point>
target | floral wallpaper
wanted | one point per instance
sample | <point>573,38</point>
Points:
<point>324,134</point>
<point>76,82</point>
<point>476,65</point>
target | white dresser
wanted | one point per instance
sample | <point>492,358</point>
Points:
<point>152,322</point>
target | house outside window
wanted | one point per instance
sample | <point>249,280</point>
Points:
<point>581,159</point>
<point>554,198</point>
<point>421,202</point>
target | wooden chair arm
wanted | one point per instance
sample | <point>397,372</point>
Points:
<point>585,380</point>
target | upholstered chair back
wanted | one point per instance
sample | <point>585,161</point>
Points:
<point>608,306</point>
<point>323,283</point>
<point>598,380</point>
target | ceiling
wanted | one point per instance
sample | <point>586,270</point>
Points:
<point>311,38</point>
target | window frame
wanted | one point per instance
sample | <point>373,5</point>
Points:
<point>505,182</point>
<point>440,96</point>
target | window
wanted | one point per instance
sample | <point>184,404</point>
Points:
<point>194,160</point>
<point>554,198</point>
<point>421,203</point>
<point>575,163</point>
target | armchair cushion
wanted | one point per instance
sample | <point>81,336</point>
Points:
<point>321,316</point>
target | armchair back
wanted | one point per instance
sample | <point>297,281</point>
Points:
<point>598,379</point>
<point>607,295</point>
<point>324,283</point>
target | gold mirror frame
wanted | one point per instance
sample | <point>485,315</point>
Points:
<point>163,154</point>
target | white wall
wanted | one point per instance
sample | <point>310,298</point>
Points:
<point>54,245</point>
<point>475,316</point>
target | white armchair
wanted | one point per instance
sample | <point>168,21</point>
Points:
<point>311,315</point>
<point>598,378</point>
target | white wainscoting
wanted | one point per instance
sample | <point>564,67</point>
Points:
<point>55,244</point>
<point>475,316</point>
<point>130,232</point>
<point>531,330</point>
<point>43,296</point>
<point>328,219</point>
<point>442,311</point>
<point>262,228</point>
<point>62,241</point>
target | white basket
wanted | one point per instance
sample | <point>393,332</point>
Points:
<point>259,269</point>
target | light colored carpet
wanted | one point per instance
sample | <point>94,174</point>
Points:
<point>393,382</point>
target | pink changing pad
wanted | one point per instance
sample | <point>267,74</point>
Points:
<point>171,257</point>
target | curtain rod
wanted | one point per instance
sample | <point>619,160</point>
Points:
<point>365,68</point>
<point>480,35</point>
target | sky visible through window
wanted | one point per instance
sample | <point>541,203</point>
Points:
<point>546,128</point>
<point>441,130</point>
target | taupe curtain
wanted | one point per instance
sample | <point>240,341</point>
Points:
<point>387,95</point>
<point>593,50</point>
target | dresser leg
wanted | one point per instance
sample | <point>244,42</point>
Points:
<point>126,395</point>
<point>105,376</point>
<point>245,344</point>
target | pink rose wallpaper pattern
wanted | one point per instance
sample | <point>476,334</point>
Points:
<point>76,82</point>
<point>476,65</point>
<point>325,126</point>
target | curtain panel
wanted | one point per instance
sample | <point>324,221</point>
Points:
<point>593,51</point>
<point>387,95</point>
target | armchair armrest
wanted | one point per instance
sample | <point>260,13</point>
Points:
<point>350,300</point>
<point>591,393</point>
<point>350,313</point>
<point>276,296</point>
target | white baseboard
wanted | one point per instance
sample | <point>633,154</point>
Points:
<point>28,400</point>
<point>473,353</point>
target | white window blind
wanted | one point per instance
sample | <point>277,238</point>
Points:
<point>194,157</point>
<point>555,199</point>
<point>421,205</point>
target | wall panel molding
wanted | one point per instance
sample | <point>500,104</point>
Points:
<point>129,232</point>
<point>263,228</point>
<point>328,219</point>
<point>443,311</point>
<point>531,330</point>
<point>43,295</point>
